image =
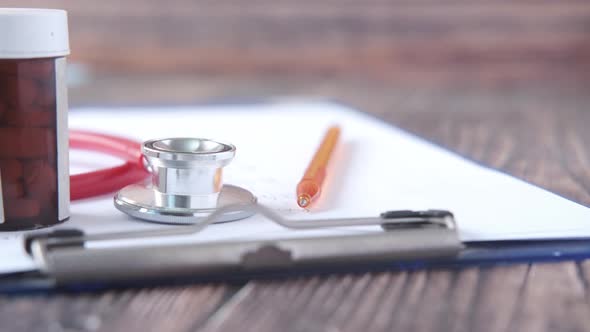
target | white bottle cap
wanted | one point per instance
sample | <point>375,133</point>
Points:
<point>27,33</point>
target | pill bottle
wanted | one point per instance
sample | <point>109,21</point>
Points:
<point>34,170</point>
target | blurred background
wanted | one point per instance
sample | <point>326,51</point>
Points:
<point>363,52</point>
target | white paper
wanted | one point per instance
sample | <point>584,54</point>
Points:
<point>375,168</point>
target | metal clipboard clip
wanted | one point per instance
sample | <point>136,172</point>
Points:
<point>66,256</point>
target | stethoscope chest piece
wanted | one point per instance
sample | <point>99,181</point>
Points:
<point>186,184</point>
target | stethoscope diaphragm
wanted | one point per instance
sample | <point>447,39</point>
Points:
<point>186,183</point>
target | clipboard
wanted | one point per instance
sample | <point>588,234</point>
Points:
<point>66,263</point>
<point>405,239</point>
<point>406,235</point>
<point>408,240</point>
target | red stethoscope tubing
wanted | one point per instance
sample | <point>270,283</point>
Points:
<point>106,180</point>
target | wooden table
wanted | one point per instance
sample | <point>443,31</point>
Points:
<point>538,134</point>
<point>503,83</point>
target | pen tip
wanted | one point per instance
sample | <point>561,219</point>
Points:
<point>303,201</point>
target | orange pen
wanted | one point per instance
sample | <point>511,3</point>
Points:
<point>311,184</point>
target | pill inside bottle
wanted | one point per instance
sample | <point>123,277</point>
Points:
<point>34,172</point>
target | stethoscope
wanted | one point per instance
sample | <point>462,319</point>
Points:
<point>186,178</point>
<point>187,188</point>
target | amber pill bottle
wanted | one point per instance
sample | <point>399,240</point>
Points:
<point>34,170</point>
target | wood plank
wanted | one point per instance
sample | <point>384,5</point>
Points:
<point>444,300</point>
<point>546,297</point>
<point>173,309</point>
<point>162,309</point>
<point>554,299</point>
<point>398,41</point>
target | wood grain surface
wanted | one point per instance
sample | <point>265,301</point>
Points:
<point>424,41</point>
<point>503,83</point>
<point>538,135</point>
